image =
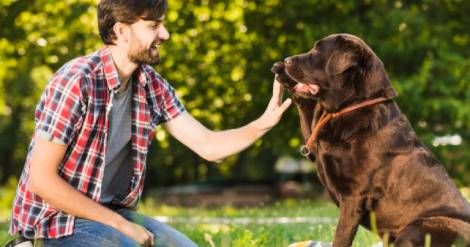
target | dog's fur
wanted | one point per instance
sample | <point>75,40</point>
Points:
<point>371,160</point>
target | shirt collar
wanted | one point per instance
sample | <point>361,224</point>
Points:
<point>111,74</point>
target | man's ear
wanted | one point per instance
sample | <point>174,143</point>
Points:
<point>345,56</point>
<point>121,31</point>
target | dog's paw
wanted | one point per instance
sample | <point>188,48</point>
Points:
<point>278,68</point>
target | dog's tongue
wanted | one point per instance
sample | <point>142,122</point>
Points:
<point>306,89</point>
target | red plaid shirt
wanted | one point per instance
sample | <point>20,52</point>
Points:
<point>74,108</point>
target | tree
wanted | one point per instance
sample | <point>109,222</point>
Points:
<point>219,59</point>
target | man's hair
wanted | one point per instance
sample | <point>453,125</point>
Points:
<point>126,11</point>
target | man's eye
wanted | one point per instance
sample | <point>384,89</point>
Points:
<point>155,25</point>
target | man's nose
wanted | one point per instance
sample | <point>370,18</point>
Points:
<point>163,34</point>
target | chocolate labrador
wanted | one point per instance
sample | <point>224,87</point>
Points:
<point>368,157</point>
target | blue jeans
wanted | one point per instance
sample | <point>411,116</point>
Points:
<point>90,234</point>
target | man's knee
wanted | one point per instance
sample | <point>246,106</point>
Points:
<point>164,234</point>
<point>92,234</point>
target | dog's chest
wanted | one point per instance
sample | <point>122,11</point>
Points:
<point>335,163</point>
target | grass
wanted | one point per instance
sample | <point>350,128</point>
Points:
<point>271,235</point>
<point>267,235</point>
<point>288,208</point>
<point>243,235</point>
<point>4,237</point>
<point>251,235</point>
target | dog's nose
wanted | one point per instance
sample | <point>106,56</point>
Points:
<point>288,61</point>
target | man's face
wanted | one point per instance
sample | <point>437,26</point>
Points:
<point>145,40</point>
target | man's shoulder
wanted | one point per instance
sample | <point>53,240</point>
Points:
<point>87,66</point>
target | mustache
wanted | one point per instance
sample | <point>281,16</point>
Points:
<point>156,43</point>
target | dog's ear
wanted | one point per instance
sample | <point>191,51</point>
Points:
<point>371,79</point>
<point>345,56</point>
<point>376,81</point>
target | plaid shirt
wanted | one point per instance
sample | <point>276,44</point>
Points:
<point>74,109</point>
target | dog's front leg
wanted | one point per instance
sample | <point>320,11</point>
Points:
<point>348,222</point>
<point>306,108</point>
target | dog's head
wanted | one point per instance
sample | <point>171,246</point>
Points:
<point>338,70</point>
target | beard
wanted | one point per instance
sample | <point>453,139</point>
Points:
<point>143,55</point>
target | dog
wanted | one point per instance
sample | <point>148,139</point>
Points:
<point>369,158</point>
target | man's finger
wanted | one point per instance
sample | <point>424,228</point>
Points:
<point>151,242</point>
<point>285,105</point>
<point>276,87</point>
<point>278,91</point>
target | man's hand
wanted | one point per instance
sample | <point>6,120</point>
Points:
<point>136,232</point>
<point>275,108</point>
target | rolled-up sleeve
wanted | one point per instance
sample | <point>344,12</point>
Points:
<point>170,104</point>
<point>60,108</point>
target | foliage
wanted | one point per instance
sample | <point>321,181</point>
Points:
<point>219,59</point>
<point>7,194</point>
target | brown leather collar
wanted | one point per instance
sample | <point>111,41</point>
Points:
<point>306,149</point>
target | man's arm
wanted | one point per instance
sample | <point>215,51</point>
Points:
<point>46,183</point>
<point>216,145</point>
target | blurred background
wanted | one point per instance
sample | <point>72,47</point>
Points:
<point>219,59</point>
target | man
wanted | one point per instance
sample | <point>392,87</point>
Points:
<point>85,169</point>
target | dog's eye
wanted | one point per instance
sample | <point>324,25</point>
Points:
<point>318,81</point>
<point>351,69</point>
<point>320,77</point>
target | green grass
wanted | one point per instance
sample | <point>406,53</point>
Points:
<point>4,237</point>
<point>248,235</point>
<point>267,235</point>
<point>251,235</point>
<point>235,235</point>
<point>287,208</point>
<point>272,235</point>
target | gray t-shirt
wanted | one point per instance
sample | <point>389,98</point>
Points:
<point>118,163</point>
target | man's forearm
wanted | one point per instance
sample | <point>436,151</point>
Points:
<point>55,191</point>
<point>222,144</point>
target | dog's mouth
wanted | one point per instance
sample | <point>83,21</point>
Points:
<point>307,91</point>
<point>304,90</point>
